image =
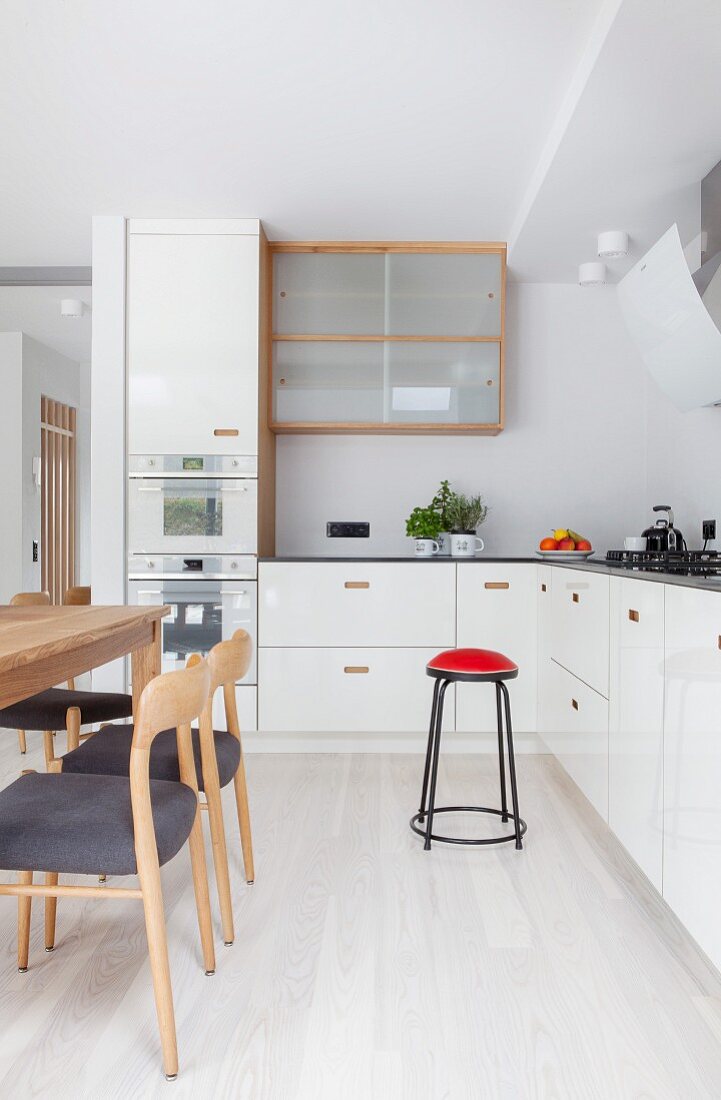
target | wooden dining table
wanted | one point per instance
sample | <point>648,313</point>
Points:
<point>44,646</point>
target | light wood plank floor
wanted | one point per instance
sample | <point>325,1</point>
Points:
<point>366,969</point>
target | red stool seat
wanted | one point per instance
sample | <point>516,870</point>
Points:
<point>476,665</point>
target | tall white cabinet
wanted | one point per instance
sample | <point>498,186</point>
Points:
<point>193,336</point>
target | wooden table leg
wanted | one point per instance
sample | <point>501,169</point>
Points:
<point>145,665</point>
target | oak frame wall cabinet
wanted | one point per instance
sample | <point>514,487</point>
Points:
<point>372,337</point>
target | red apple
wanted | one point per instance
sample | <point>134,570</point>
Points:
<point>566,544</point>
<point>583,544</point>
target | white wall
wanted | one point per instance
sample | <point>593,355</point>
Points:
<point>684,453</point>
<point>29,369</point>
<point>11,536</point>
<point>572,452</point>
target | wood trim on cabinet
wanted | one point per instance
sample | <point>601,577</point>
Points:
<point>497,584</point>
<point>225,431</point>
<point>357,584</point>
<point>574,704</point>
<point>575,597</point>
<point>356,669</point>
<point>367,339</point>
<point>634,616</point>
<point>390,246</point>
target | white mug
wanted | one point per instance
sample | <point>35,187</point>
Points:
<point>634,542</point>
<point>426,548</point>
<point>444,541</point>
<point>464,546</point>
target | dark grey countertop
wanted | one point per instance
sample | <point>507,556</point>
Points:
<point>594,565</point>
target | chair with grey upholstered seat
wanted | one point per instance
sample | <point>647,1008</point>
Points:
<point>218,761</point>
<point>67,823</point>
<point>61,708</point>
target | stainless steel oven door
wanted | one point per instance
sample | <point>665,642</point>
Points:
<point>202,614</point>
<point>192,515</point>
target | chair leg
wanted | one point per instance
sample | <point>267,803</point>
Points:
<point>434,768</point>
<point>22,742</point>
<point>241,802</point>
<point>159,965</point>
<point>72,725</point>
<point>51,908</point>
<point>220,852</point>
<point>501,753</point>
<point>49,748</point>
<point>24,905</point>
<point>429,747</point>
<point>202,895</point>
<point>512,767</point>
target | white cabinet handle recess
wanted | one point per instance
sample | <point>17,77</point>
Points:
<point>351,669</point>
<point>357,584</point>
<point>497,584</point>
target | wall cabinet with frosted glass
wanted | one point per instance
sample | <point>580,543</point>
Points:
<point>387,337</point>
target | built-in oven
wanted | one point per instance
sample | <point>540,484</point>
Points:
<point>210,597</point>
<point>192,504</point>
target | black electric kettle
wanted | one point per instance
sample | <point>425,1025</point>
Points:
<point>663,536</point>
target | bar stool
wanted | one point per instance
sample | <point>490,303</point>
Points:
<point>475,666</point>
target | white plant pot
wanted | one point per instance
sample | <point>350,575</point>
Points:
<point>465,544</point>
<point>444,541</point>
<point>426,548</point>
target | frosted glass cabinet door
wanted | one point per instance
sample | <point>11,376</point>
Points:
<point>443,295</point>
<point>328,382</point>
<point>322,293</point>
<point>442,383</point>
<point>348,382</point>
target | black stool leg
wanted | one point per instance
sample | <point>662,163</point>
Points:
<point>512,766</point>
<point>429,751</point>
<point>436,753</point>
<point>501,753</point>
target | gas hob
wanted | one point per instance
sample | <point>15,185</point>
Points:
<point>680,563</point>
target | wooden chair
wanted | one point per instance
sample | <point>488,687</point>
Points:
<point>218,761</point>
<point>61,708</point>
<point>81,824</point>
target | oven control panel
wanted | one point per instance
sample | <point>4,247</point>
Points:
<point>192,566</point>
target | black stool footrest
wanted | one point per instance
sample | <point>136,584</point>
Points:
<point>467,809</point>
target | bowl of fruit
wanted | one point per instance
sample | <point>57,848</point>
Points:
<point>565,544</point>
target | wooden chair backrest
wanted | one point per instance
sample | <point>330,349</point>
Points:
<point>171,700</point>
<point>77,596</point>
<point>229,661</point>
<point>30,599</point>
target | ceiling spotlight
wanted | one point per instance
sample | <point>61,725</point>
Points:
<point>593,274</point>
<point>613,244</point>
<point>71,307</point>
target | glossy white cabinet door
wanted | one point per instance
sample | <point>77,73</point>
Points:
<point>357,604</point>
<point>497,610</point>
<point>544,585</point>
<point>192,352</point>
<point>579,716</point>
<point>635,795</point>
<point>692,764</point>
<point>246,697</point>
<point>579,625</point>
<point>347,690</point>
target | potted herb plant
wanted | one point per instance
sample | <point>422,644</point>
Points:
<point>465,515</point>
<point>441,503</point>
<point>423,525</point>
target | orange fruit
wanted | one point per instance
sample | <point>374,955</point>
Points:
<point>548,544</point>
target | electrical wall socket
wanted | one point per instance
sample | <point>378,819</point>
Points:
<point>708,529</point>
<point>341,529</point>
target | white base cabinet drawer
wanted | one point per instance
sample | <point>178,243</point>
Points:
<point>347,690</point>
<point>246,700</point>
<point>497,610</point>
<point>580,624</point>
<point>635,736</point>
<point>579,734</point>
<point>357,604</point>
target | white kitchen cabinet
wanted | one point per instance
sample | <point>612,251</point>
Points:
<point>544,586</point>
<point>192,337</point>
<point>579,625</point>
<point>579,717</point>
<point>636,694</point>
<point>361,603</point>
<point>692,764</point>
<point>354,690</point>
<point>246,700</point>
<point>497,610</point>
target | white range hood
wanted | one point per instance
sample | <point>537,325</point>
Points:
<point>673,325</point>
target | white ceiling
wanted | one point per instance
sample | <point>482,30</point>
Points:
<point>536,121</point>
<point>326,118</point>
<point>35,310</point>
